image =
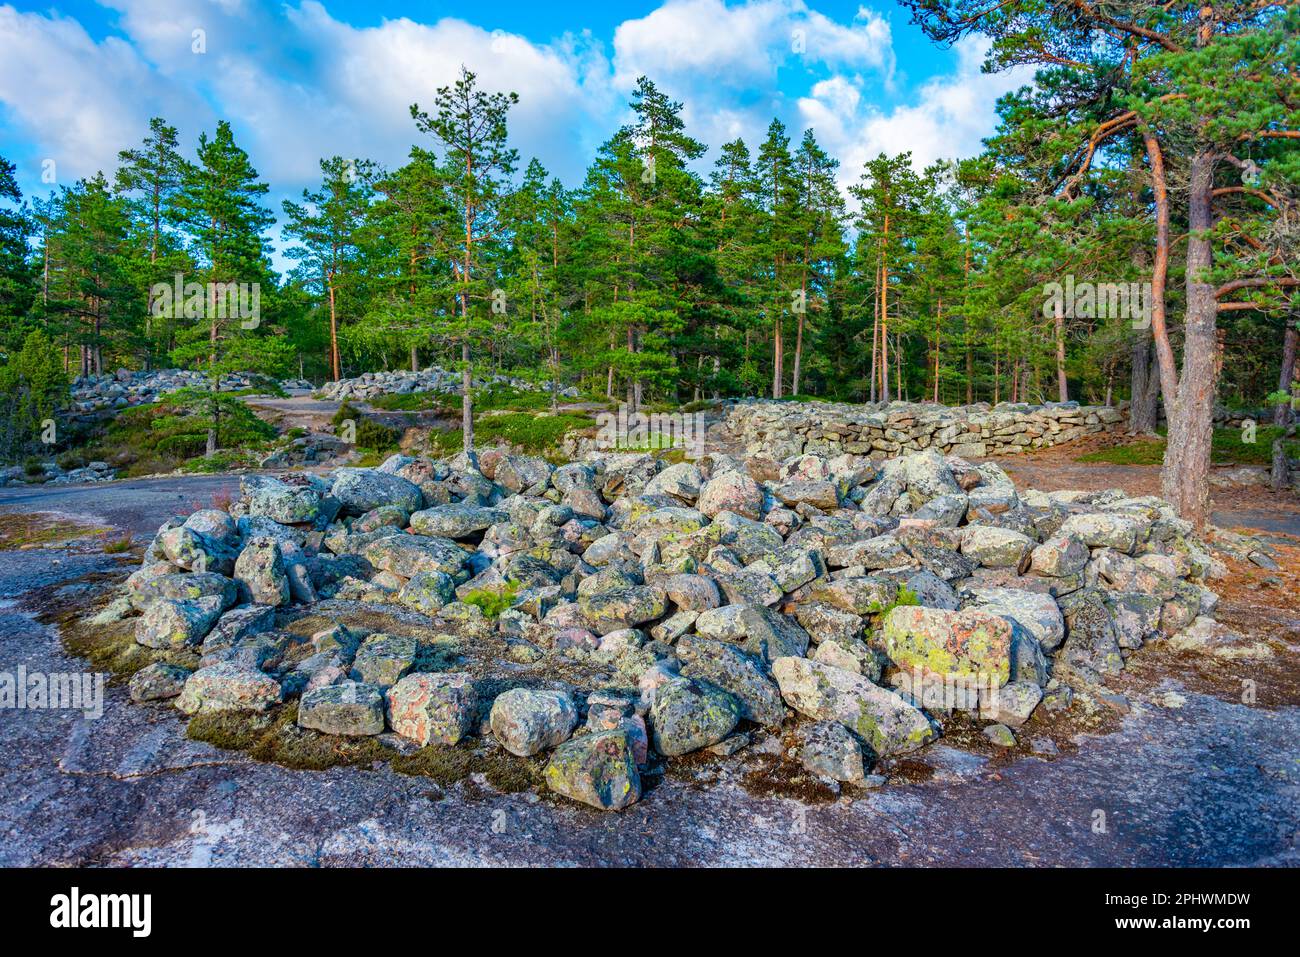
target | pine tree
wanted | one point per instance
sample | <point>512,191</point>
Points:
<point>328,227</point>
<point>222,212</point>
<point>151,177</point>
<point>779,237</point>
<point>1201,84</point>
<point>470,125</point>
<point>17,282</point>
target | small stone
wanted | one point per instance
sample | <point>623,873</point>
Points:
<point>828,748</point>
<point>158,681</point>
<point>383,659</point>
<point>526,721</point>
<point>597,769</point>
<point>1000,736</point>
<point>432,708</point>
<point>349,708</point>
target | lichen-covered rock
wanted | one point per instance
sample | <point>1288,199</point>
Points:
<point>385,516</point>
<point>851,654</point>
<point>692,592</point>
<point>688,715</point>
<point>1109,530</point>
<point>1013,703</point>
<point>829,749</point>
<point>825,622</point>
<point>731,491</point>
<point>823,495</point>
<point>624,608</point>
<point>736,672</point>
<point>428,592</point>
<point>431,708</point>
<point>260,568</point>
<point>168,623</point>
<point>408,555</point>
<point>188,549</point>
<point>279,501</point>
<point>236,625</point>
<point>995,547</point>
<point>520,473</point>
<point>158,682</point>
<point>455,521</point>
<point>526,721</point>
<point>1091,648</point>
<point>961,644</point>
<point>228,687</point>
<point>160,581</point>
<point>862,596</point>
<point>360,490</point>
<point>597,769</point>
<point>1036,611</point>
<point>877,715</point>
<point>770,634</point>
<point>383,659</point>
<point>791,566</point>
<point>348,708</point>
<point>681,481</point>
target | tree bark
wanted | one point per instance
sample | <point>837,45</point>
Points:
<point>1145,390</point>
<point>334,336</point>
<point>1282,413</point>
<point>1062,383</point>
<point>466,406</point>
<point>1184,477</point>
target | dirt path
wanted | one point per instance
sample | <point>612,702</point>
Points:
<point>1243,509</point>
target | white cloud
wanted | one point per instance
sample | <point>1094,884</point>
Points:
<point>299,84</point>
<point>949,118</point>
<point>81,101</point>
<point>725,62</point>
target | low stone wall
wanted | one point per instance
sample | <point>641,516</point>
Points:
<point>433,379</point>
<point>781,429</point>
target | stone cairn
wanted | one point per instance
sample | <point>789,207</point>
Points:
<point>433,379</point>
<point>123,388</point>
<point>645,611</point>
<point>883,429</point>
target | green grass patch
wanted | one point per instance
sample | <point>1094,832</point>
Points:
<point>492,602</point>
<point>173,433</point>
<point>414,402</point>
<point>532,433</point>
<point>370,435</point>
<point>1227,448</point>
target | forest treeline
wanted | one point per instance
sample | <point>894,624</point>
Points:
<point>1156,152</point>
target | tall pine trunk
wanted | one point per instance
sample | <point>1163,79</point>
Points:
<point>1282,414</point>
<point>1184,478</point>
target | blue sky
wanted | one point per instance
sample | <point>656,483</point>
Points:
<point>309,78</point>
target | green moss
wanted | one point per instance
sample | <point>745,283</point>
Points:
<point>492,602</point>
<point>445,765</point>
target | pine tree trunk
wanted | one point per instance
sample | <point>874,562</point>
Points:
<point>415,359</point>
<point>1282,414</point>
<point>1145,387</point>
<point>1062,383</point>
<point>466,406</point>
<point>1184,477</point>
<point>334,336</point>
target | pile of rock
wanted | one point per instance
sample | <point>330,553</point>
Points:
<point>640,611</point>
<point>123,388</point>
<point>433,379</point>
<point>781,429</point>
<point>51,474</point>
